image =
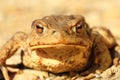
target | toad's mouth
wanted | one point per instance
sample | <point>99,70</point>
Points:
<point>57,46</point>
<point>59,51</point>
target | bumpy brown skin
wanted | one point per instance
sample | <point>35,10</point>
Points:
<point>59,44</point>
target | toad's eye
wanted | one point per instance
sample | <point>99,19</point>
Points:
<point>39,28</point>
<point>77,29</point>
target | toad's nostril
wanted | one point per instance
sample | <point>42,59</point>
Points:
<point>53,31</point>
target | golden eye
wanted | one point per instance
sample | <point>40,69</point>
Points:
<point>77,29</point>
<point>39,28</point>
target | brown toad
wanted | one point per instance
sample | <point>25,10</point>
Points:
<point>59,44</point>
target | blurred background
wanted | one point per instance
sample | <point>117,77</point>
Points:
<point>17,15</point>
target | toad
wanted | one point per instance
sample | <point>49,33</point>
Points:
<point>59,43</point>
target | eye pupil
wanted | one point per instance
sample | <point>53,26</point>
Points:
<point>39,29</point>
<point>78,29</point>
<point>37,26</point>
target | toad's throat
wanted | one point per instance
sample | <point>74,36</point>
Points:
<point>60,51</point>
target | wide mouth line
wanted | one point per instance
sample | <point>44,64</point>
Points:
<point>55,45</point>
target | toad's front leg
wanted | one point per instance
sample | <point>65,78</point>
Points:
<point>9,49</point>
<point>12,46</point>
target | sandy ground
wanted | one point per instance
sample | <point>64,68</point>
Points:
<point>17,15</point>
